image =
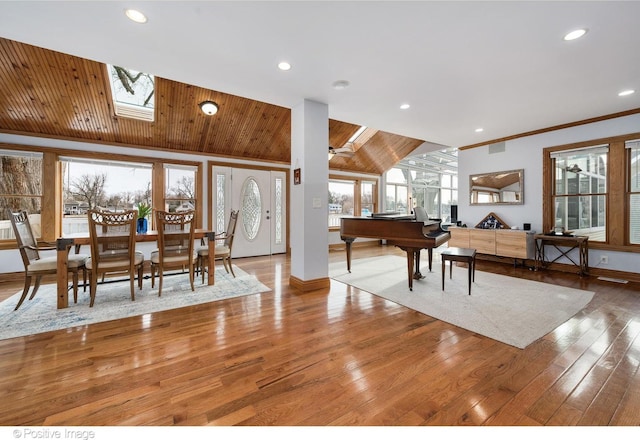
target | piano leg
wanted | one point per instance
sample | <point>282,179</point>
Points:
<point>417,275</point>
<point>410,255</point>
<point>348,242</point>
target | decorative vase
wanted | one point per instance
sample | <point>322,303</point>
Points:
<point>142,226</point>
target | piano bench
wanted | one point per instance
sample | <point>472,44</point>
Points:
<point>459,254</point>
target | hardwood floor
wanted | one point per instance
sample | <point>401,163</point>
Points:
<point>337,356</point>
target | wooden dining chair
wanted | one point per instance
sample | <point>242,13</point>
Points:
<point>175,245</point>
<point>34,264</point>
<point>222,250</point>
<point>113,248</point>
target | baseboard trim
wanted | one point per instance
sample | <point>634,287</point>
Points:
<point>309,285</point>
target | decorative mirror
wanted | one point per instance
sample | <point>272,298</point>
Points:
<point>500,188</point>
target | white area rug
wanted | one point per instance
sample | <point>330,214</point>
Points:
<point>113,301</point>
<point>508,309</point>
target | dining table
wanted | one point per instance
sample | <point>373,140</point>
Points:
<point>64,244</point>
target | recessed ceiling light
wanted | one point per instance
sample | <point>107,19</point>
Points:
<point>341,84</point>
<point>404,106</point>
<point>479,130</point>
<point>135,15</point>
<point>573,35</point>
<point>626,92</point>
<point>284,66</point>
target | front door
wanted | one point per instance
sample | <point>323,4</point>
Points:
<point>259,197</point>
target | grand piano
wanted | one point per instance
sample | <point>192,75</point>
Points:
<point>402,231</point>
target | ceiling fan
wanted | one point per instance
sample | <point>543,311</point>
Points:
<point>346,151</point>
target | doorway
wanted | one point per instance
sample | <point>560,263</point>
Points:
<point>260,198</point>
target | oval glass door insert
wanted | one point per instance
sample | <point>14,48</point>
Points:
<point>251,208</point>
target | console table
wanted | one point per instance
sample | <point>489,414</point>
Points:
<point>568,243</point>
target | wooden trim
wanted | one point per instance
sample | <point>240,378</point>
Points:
<point>554,128</point>
<point>125,145</point>
<point>309,285</point>
<point>51,197</point>
<point>547,197</point>
<point>99,155</point>
<point>199,202</point>
<point>158,188</point>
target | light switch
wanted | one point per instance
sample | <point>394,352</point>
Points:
<point>317,203</point>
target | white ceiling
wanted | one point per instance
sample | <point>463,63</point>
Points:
<point>460,65</point>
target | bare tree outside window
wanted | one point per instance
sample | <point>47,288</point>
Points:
<point>89,188</point>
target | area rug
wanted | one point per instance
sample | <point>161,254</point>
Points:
<point>113,301</point>
<point>508,309</point>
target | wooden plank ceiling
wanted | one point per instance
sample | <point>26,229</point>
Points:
<point>51,94</point>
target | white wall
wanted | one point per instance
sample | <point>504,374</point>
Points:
<point>526,153</point>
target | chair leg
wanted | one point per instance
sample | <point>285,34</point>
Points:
<point>93,284</point>
<point>191,276</point>
<point>75,286</point>
<point>160,273</point>
<point>36,286</point>
<point>153,276</point>
<point>203,269</point>
<point>224,263</point>
<point>84,279</point>
<point>27,285</point>
<point>230,266</point>
<point>132,286</point>
<point>140,275</point>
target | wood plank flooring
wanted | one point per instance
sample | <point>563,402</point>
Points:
<point>338,356</point>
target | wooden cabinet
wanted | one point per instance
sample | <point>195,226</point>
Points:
<point>483,241</point>
<point>515,244</point>
<point>459,237</point>
<point>501,242</point>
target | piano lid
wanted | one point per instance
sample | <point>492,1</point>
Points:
<point>392,216</point>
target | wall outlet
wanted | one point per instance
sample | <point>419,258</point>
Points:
<point>604,259</point>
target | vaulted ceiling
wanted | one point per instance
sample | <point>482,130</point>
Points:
<point>503,66</point>
<point>53,94</point>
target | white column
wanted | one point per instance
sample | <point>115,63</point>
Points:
<point>309,227</point>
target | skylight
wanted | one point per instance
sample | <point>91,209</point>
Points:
<point>356,134</point>
<point>133,93</point>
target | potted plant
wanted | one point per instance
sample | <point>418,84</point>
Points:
<point>143,211</point>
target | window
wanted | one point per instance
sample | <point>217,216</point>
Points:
<point>592,188</point>
<point>61,185</point>
<point>434,191</point>
<point>449,196</point>
<point>19,190</point>
<point>397,190</point>
<point>580,191</point>
<point>341,200</point>
<point>350,197</point>
<point>132,92</point>
<point>432,179</point>
<point>90,184</point>
<point>180,188</point>
<point>633,200</point>
<point>367,198</point>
